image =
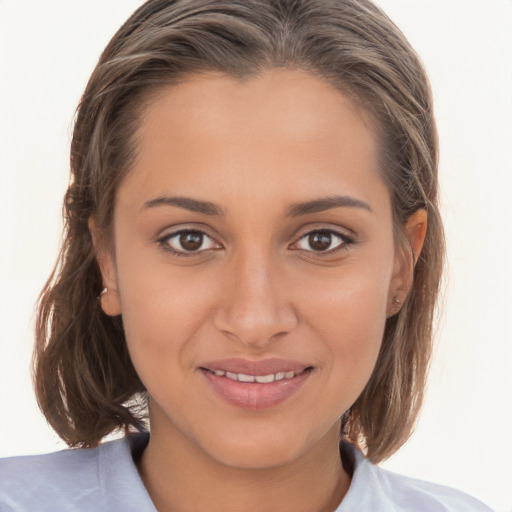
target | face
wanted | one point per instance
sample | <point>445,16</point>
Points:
<point>254,263</point>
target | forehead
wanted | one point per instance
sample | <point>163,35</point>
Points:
<point>215,133</point>
<point>294,103</point>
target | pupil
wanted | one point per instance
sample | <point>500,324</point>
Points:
<point>191,241</point>
<point>320,241</point>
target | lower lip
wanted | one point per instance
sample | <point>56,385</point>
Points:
<point>253,395</point>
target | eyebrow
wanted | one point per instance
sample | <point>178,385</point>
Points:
<point>295,210</point>
<point>326,203</point>
<point>193,205</point>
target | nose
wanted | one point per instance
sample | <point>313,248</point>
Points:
<point>253,305</point>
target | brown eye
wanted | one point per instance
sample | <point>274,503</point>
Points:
<point>320,241</point>
<point>323,240</point>
<point>191,241</point>
<point>188,242</point>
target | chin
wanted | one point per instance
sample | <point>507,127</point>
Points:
<point>263,448</point>
<point>248,454</point>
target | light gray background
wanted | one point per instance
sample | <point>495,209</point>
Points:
<point>47,51</point>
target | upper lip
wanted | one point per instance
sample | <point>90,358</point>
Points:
<point>260,367</point>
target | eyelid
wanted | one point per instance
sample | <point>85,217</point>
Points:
<point>347,241</point>
<point>163,240</point>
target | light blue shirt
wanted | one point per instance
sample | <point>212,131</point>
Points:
<point>105,479</point>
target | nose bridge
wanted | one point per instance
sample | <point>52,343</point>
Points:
<point>254,306</point>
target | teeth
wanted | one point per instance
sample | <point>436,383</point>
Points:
<point>262,379</point>
<point>246,378</point>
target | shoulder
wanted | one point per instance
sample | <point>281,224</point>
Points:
<point>374,488</point>
<point>33,481</point>
<point>72,480</point>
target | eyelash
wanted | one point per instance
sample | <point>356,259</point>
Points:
<point>345,242</point>
<point>164,242</point>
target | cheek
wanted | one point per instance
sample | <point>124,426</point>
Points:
<point>349,316</point>
<point>163,313</point>
<point>352,300</point>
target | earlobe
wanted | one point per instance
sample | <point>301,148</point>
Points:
<point>109,297</point>
<point>407,256</point>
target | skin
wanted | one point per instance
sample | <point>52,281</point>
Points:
<point>257,288</point>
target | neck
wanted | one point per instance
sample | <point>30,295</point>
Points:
<point>180,476</point>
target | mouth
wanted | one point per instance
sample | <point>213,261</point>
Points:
<point>260,379</point>
<point>255,385</point>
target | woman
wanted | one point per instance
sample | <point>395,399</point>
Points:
<point>252,253</point>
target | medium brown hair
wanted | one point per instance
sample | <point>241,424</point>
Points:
<point>85,382</point>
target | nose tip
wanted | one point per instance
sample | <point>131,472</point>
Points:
<point>255,328</point>
<point>253,306</point>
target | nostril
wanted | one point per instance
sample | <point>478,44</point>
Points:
<point>256,328</point>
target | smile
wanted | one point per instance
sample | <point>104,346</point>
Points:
<point>255,385</point>
<point>260,379</point>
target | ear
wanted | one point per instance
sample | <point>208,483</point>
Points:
<point>109,297</point>
<point>406,257</point>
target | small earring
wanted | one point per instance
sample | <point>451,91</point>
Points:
<point>102,292</point>
<point>396,300</point>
